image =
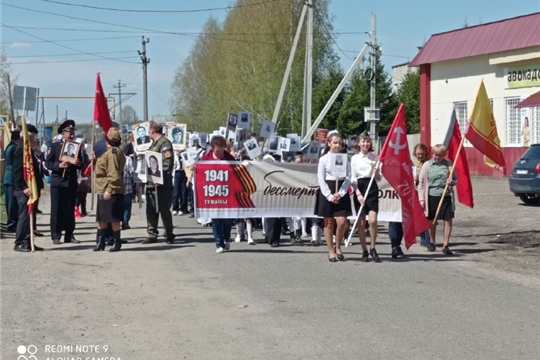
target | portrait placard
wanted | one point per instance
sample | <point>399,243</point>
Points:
<point>314,150</point>
<point>295,142</point>
<point>273,145</point>
<point>141,137</point>
<point>154,167</point>
<point>252,147</point>
<point>267,129</point>
<point>177,135</point>
<point>232,121</point>
<point>338,164</point>
<point>244,120</point>
<point>70,150</point>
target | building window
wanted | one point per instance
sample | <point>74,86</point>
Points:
<point>534,126</point>
<point>461,113</point>
<point>513,122</point>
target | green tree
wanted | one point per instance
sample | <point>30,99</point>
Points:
<point>408,93</point>
<point>351,117</point>
<point>322,92</point>
<point>6,77</point>
<point>129,115</point>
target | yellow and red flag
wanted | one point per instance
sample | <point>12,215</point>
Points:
<point>28,167</point>
<point>482,131</point>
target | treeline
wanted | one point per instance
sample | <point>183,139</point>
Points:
<point>239,65</point>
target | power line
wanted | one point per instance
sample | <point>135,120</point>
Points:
<point>159,11</point>
<point>64,46</point>
<point>66,40</point>
<point>71,54</point>
<point>79,60</point>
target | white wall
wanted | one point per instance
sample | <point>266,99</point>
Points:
<point>458,80</point>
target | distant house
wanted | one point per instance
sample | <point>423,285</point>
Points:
<point>398,74</point>
<point>506,54</point>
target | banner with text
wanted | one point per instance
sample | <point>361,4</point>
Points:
<point>246,189</point>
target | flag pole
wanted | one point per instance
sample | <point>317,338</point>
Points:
<point>347,242</point>
<point>449,176</point>
<point>92,176</point>
<point>32,246</point>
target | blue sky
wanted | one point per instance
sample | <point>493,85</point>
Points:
<point>61,54</point>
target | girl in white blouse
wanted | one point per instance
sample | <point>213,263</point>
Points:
<point>333,202</point>
<point>363,167</point>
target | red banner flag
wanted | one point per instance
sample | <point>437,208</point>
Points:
<point>397,169</point>
<point>28,168</point>
<point>461,167</point>
<point>101,110</point>
<point>482,131</point>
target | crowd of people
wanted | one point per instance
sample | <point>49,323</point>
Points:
<point>114,162</point>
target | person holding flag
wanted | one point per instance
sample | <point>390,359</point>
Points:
<point>435,177</point>
<point>27,181</point>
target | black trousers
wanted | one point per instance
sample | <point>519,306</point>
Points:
<point>62,212</point>
<point>273,229</point>
<point>81,201</point>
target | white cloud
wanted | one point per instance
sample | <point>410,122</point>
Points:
<point>20,45</point>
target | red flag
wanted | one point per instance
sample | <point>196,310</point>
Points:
<point>101,110</point>
<point>397,169</point>
<point>461,167</point>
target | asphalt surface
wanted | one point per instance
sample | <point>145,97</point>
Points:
<point>184,301</point>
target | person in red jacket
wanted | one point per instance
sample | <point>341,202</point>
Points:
<point>220,227</point>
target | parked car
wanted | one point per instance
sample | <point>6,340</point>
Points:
<point>524,180</point>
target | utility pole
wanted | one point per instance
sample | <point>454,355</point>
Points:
<point>308,71</point>
<point>373,114</point>
<point>145,62</point>
<point>119,87</point>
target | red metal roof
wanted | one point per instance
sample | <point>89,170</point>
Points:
<point>504,35</point>
<point>531,101</point>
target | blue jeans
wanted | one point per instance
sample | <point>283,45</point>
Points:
<point>222,231</point>
<point>395,233</point>
<point>424,238</point>
<point>127,208</point>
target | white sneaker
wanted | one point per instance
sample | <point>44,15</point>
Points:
<point>219,250</point>
<point>305,235</point>
<point>175,213</point>
<point>237,238</point>
<point>227,246</point>
<point>251,241</point>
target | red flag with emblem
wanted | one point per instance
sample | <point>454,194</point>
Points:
<point>101,110</point>
<point>28,168</point>
<point>397,169</point>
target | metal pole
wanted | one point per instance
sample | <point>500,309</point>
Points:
<point>335,94</point>
<point>373,83</point>
<point>308,76</point>
<point>289,64</point>
<point>145,62</point>
<point>119,87</point>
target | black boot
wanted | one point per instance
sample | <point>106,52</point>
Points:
<point>100,241</point>
<point>117,242</point>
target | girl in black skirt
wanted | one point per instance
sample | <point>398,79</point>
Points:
<point>333,202</point>
<point>363,167</point>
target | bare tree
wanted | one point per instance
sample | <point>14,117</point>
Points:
<point>129,115</point>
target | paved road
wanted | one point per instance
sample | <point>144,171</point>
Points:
<point>184,301</point>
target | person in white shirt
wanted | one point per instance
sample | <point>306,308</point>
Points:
<point>363,167</point>
<point>333,202</point>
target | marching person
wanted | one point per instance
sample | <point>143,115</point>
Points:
<point>221,228</point>
<point>110,189</point>
<point>159,197</point>
<point>420,153</point>
<point>179,205</point>
<point>63,186</point>
<point>434,177</point>
<point>23,192</point>
<point>363,167</point>
<point>333,206</point>
<point>129,185</point>
<point>10,199</point>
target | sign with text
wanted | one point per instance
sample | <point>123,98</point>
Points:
<point>522,76</point>
<point>231,190</point>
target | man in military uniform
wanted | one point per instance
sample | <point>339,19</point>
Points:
<point>160,195</point>
<point>23,192</point>
<point>10,200</point>
<point>63,186</point>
